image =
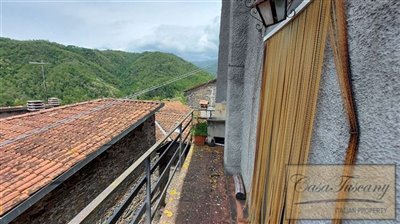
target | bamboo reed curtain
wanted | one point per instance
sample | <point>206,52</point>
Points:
<point>291,77</point>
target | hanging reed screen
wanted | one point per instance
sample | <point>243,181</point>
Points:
<point>291,77</point>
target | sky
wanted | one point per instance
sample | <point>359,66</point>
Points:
<point>187,28</point>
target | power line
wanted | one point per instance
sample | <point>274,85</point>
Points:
<point>104,106</point>
<point>174,79</point>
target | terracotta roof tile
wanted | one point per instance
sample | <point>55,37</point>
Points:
<point>168,116</point>
<point>37,147</point>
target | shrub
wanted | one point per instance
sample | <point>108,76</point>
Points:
<point>200,129</point>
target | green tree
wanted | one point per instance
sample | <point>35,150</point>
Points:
<point>78,74</point>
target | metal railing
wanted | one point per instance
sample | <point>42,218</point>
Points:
<point>146,208</point>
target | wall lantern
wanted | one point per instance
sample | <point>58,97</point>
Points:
<point>271,11</point>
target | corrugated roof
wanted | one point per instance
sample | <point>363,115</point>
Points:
<point>37,147</point>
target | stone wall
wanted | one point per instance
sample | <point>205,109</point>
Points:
<point>204,92</point>
<point>68,199</point>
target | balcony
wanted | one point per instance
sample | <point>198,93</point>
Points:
<point>189,187</point>
<point>199,193</point>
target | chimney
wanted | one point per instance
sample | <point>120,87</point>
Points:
<point>54,102</point>
<point>35,105</point>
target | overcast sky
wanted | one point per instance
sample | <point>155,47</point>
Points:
<point>188,28</point>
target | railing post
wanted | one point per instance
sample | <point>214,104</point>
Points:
<point>190,126</point>
<point>148,191</point>
<point>180,145</point>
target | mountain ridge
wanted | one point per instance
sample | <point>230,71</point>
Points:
<point>77,74</point>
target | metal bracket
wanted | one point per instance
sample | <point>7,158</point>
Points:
<point>254,13</point>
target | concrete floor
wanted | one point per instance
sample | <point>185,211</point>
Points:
<point>199,192</point>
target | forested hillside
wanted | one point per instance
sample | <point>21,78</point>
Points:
<point>77,74</point>
<point>210,66</point>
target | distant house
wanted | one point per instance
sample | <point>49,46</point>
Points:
<point>205,91</point>
<point>55,161</point>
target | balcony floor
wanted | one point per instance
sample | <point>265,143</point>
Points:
<point>199,192</point>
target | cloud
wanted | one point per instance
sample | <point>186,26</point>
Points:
<point>194,43</point>
<point>188,29</point>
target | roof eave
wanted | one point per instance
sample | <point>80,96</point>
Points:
<point>25,205</point>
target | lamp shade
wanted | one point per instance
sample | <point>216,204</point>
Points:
<point>271,11</point>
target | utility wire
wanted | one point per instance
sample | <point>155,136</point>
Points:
<point>172,80</point>
<point>104,106</point>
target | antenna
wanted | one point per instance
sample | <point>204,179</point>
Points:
<point>43,75</point>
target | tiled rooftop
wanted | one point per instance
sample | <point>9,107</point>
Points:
<point>168,116</point>
<point>37,147</point>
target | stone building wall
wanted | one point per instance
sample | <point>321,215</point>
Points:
<point>68,199</point>
<point>204,92</point>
